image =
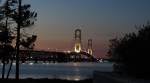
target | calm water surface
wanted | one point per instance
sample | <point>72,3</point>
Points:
<point>69,71</point>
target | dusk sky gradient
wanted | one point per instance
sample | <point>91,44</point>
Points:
<point>100,20</point>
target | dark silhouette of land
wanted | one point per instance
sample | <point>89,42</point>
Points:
<point>44,81</point>
<point>131,53</point>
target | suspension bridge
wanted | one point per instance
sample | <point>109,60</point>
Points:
<point>77,55</point>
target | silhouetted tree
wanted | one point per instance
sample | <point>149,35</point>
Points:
<point>131,52</point>
<point>28,42</point>
<point>20,16</point>
<point>6,38</point>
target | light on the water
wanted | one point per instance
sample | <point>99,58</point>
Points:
<point>47,63</point>
<point>75,64</point>
<point>1,64</point>
<point>76,79</point>
<point>14,63</point>
<point>31,63</point>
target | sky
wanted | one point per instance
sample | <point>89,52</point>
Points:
<point>99,20</point>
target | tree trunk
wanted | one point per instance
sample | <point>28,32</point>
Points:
<point>18,41</point>
<point>3,70</point>
<point>9,68</point>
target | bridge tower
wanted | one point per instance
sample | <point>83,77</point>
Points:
<point>77,47</point>
<point>90,50</point>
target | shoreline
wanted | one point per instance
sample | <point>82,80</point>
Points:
<point>112,77</point>
<point>46,80</point>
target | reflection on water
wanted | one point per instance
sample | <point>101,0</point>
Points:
<point>69,71</point>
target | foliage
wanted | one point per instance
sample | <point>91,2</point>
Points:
<point>131,52</point>
<point>28,42</point>
<point>6,36</point>
<point>13,17</point>
<point>9,18</point>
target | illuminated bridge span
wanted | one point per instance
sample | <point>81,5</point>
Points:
<point>78,55</point>
<point>47,56</point>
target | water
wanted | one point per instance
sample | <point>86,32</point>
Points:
<point>69,71</point>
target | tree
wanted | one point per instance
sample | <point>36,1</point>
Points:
<point>6,48</point>
<point>131,52</point>
<point>21,16</point>
<point>6,38</point>
<point>28,42</point>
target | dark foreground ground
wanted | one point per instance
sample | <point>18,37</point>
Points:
<point>43,81</point>
<point>112,77</point>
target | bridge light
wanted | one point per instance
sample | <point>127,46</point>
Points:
<point>77,47</point>
<point>101,60</point>
<point>68,51</point>
<point>90,50</point>
<point>31,57</point>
